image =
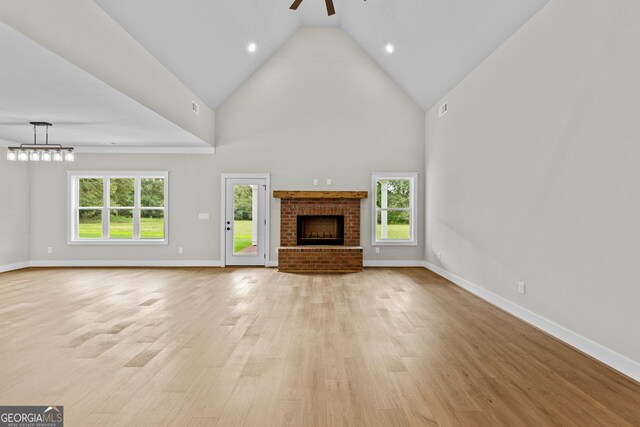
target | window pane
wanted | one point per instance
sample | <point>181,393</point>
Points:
<point>393,225</point>
<point>90,224</point>
<point>121,191</point>
<point>121,224</point>
<point>396,191</point>
<point>152,192</point>
<point>151,224</point>
<point>90,192</point>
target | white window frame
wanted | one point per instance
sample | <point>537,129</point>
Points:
<point>73,178</point>
<point>412,177</point>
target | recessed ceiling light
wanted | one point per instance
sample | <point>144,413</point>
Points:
<point>251,47</point>
<point>389,48</point>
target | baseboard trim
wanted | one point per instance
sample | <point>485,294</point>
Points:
<point>123,263</point>
<point>15,266</point>
<point>393,263</point>
<point>174,263</point>
<point>605,355</point>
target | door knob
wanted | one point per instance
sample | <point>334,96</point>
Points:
<point>228,228</point>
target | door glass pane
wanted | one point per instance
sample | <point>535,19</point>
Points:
<point>245,219</point>
<point>90,192</point>
<point>152,224</point>
<point>121,224</point>
<point>393,225</point>
<point>90,224</point>
<point>152,192</point>
<point>121,192</point>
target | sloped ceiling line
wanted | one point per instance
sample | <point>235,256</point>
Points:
<point>437,42</point>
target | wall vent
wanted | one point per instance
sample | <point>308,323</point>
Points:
<point>444,108</point>
<point>195,108</point>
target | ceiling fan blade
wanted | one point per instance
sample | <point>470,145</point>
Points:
<point>330,9</point>
<point>295,4</point>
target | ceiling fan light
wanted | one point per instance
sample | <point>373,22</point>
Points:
<point>57,156</point>
<point>69,156</point>
<point>46,156</point>
<point>34,156</point>
<point>12,156</point>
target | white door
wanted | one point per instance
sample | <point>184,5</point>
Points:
<point>245,221</point>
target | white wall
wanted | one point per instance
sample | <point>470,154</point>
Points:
<point>14,212</point>
<point>321,108</point>
<point>192,190</point>
<point>533,174</point>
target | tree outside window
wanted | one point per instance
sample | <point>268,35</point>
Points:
<point>119,208</point>
<point>394,208</point>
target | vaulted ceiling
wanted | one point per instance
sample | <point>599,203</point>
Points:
<point>437,42</point>
<point>38,85</point>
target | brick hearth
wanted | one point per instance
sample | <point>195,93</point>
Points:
<point>316,259</point>
<point>320,259</point>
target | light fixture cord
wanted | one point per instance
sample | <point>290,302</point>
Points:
<point>35,140</point>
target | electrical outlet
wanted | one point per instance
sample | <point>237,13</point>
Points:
<point>377,250</point>
<point>328,181</point>
<point>180,250</point>
<point>315,181</point>
<point>439,255</point>
<point>521,287</point>
<point>49,250</point>
<point>203,216</point>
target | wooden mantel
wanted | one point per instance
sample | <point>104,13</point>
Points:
<point>320,194</point>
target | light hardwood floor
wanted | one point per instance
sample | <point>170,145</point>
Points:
<point>254,347</point>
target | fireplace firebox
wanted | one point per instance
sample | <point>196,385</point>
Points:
<point>320,230</point>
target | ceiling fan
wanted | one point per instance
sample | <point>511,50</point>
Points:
<point>331,10</point>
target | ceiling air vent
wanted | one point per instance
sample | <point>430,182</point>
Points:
<point>444,108</point>
<point>195,108</point>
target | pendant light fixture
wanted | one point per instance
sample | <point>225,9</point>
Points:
<point>40,152</point>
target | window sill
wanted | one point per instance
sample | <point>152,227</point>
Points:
<point>164,242</point>
<point>395,243</point>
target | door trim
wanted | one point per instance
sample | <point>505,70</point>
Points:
<point>223,211</point>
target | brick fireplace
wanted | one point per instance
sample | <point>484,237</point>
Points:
<point>320,231</point>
